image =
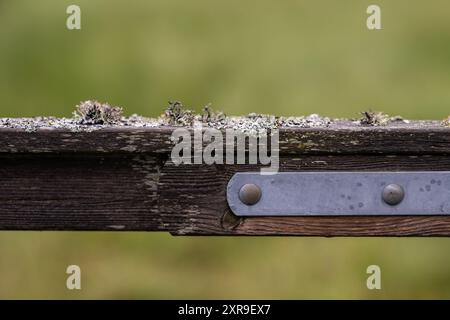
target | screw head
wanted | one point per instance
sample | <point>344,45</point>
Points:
<point>250,194</point>
<point>393,194</point>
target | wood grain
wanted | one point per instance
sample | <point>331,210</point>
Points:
<point>79,192</point>
<point>122,179</point>
<point>207,214</point>
<point>341,137</point>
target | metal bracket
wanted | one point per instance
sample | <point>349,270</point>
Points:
<point>339,193</point>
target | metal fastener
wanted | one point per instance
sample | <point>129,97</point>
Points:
<point>250,194</point>
<point>393,194</point>
<point>343,193</point>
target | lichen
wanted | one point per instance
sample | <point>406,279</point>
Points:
<point>252,124</point>
<point>211,116</point>
<point>176,115</point>
<point>311,121</point>
<point>92,115</point>
<point>372,118</point>
<point>92,112</point>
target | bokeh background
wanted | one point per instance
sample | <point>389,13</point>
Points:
<point>289,57</point>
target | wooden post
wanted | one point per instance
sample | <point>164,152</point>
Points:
<point>122,178</point>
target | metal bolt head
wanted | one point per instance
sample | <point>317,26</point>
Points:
<point>393,194</point>
<point>250,194</point>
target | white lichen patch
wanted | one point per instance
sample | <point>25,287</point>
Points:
<point>33,124</point>
<point>73,124</point>
<point>141,122</point>
<point>252,124</point>
<point>311,121</point>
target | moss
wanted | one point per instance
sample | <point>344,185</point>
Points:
<point>93,112</point>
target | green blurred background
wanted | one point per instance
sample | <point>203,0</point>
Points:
<point>287,57</point>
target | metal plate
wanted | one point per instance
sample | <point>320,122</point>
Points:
<point>341,193</point>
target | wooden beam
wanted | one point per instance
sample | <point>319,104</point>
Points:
<point>339,137</point>
<point>122,178</point>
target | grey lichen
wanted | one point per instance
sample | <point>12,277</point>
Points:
<point>34,124</point>
<point>446,122</point>
<point>372,118</point>
<point>311,121</point>
<point>176,115</point>
<point>92,115</point>
<point>93,112</point>
<point>89,116</point>
<point>253,123</point>
<point>141,122</point>
<point>211,116</point>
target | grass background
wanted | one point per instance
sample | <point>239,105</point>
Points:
<point>287,57</point>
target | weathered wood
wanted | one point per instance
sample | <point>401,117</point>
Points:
<point>209,213</point>
<point>79,192</point>
<point>120,178</point>
<point>340,137</point>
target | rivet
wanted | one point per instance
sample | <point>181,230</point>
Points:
<point>250,194</point>
<point>393,194</point>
